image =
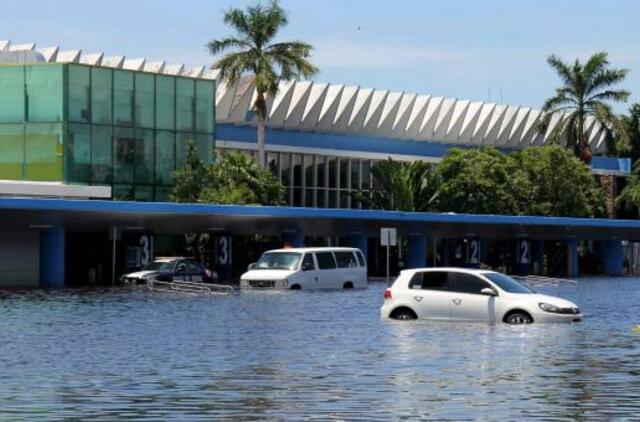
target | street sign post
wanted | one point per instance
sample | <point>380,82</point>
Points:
<point>388,238</point>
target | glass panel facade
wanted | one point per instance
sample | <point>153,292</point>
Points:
<point>78,153</point>
<point>44,93</point>
<point>43,152</point>
<point>93,125</point>
<point>145,100</point>
<point>12,94</point>
<point>101,93</point>
<point>123,97</point>
<point>185,101</point>
<point>11,151</point>
<point>79,94</point>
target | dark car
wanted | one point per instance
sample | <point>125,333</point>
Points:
<point>172,269</point>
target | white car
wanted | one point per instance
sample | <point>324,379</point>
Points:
<point>471,295</point>
<point>308,268</point>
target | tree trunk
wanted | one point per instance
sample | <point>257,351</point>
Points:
<point>261,136</point>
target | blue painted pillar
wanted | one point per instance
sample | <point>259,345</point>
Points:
<point>612,255</point>
<point>572,257</point>
<point>294,239</point>
<point>417,252</point>
<point>52,256</point>
<point>358,241</point>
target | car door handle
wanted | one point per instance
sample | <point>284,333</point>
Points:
<point>457,301</point>
<point>418,298</point>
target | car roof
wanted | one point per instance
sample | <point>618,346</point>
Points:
<point>170,258</point>
<point>453,269</point>
<point>316,249</point>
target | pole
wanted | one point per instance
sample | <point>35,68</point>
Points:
<point>113,256</point>
<point>388,243</point>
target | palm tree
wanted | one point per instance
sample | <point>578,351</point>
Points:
<point>586,91</point>
<point>402,186</point>
<point>253,50</point>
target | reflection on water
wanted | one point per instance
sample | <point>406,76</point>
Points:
<point>118,353</point>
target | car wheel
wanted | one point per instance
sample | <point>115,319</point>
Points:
<point>404,314</point>
<point>518,318</point>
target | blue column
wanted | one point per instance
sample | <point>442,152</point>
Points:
<point>572,257</point>
<point>294,239</point>
<point>52,256</point>
<point>612,255</point>
<point>358,241</point>
<point>417,253</point>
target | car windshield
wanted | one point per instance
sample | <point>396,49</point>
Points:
<point>508,284</point>
<point>159,266</point>
<point>279,261</point>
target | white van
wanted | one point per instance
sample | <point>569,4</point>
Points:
<point>308,268</point>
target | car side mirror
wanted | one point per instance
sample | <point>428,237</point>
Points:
<point>252,266</point>
<point>488,292</point>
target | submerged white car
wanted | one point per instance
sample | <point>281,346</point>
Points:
<point>471,295</point>
<point>307,268</point>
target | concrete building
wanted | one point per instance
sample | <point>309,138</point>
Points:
<point>76,126</point>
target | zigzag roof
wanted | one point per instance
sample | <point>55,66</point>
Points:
<point>333,108</point>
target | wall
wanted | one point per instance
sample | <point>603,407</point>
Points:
<point>19,258</point>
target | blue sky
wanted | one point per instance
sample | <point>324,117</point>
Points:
<point>480,50</point>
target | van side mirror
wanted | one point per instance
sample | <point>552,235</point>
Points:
<point>488,292</point>
<point>252,266</point>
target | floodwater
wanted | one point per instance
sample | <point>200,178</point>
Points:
<point>106,354</point>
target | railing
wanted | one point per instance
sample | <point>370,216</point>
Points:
<point>537,280</point>
<point>186,287</point>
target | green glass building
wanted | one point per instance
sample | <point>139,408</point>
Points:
<point>92,125</point>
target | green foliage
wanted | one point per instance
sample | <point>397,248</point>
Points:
<point>238,179</point>
<point>234,179</point>
<point>629,198</point>
<point>402,186</point>
<point>190,179</point>
<point>586,91</point>
<point>631,127</point>
<point>547,181</point>
<point>477,181</point>
<point>554,183</point>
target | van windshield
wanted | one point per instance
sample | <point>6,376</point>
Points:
<point>279,261</point>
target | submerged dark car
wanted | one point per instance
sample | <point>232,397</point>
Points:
<point>172,269</point>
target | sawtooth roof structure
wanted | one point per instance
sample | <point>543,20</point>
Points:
<point>353,110</point>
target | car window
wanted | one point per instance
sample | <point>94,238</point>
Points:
<point>430,280</point>
<point>361,259</point>
<point>308,262</point>
<point>325,260</point>
<point>194,267</point>
<point>346,259</point>
<point>467,283</point>
<point>181,267</point>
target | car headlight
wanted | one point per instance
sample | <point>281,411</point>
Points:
<point>547,307</point>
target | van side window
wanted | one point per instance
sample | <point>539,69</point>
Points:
<point>467,283</point>
<point>361,259</point>
<point>346,259</point>
<point>326,260</point>
<point>307,263</point>
<point>430,280</point>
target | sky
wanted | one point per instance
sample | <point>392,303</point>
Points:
<point>485,50</point>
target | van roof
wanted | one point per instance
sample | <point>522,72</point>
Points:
<point>316,249</point>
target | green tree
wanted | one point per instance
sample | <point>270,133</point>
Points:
<point>253,50</point>
<point>586,91</point>
<point>238,179</point>
<point>629,198</point>
<point>191,179</point>
<point>478,181</point>
<point>631,123</point>
<point>404,186</point>
<point>555,183</point>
